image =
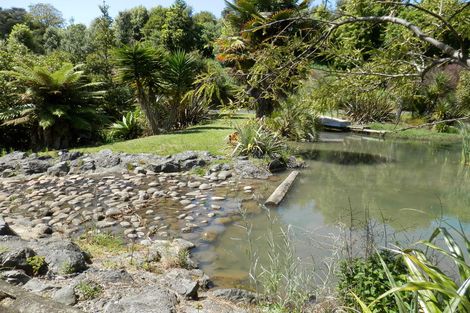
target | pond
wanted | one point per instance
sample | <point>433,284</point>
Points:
<point>403,188</point>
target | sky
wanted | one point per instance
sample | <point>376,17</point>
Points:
<point>84,11</point>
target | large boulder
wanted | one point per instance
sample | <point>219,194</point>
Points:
<point>17,258</point>
<point>62,256</point>
<point>106,159</point>
<point>152,299</point>
<point>35,166</point>
<point>5,229</point>
<point>59,169</point>
<point>165,166</point>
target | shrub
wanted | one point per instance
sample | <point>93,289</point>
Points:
<point>367,279</point>
<point>295,120</point>
<point>88,290</point>
<point>257,140</point>
<point>128,128</point>
<point>373,106</point>
<point>38,263</point>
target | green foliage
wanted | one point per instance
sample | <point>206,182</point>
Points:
<point>465,133</point>
<point>66,269</point>
<point>37,262</point>
<point>45,15</point>
<point>9,18</point>
<point>368,280</point>
<point>295,119</point>
<point>257,140</point>
<point>429,286</point>
<point>88,290</point>
<point>22,34</point>
<point>98,244</point>
<point>57,106</point>
<point>128,128</point>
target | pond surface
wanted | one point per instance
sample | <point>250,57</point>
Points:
<point>408,187</point>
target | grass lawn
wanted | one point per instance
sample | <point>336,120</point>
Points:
<point>423,134</point>
<point>211,137</point>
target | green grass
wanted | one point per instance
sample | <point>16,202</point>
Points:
<point>424,134</point>
<point>206,137</point>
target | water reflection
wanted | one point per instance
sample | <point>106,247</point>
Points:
<point>406,185</point>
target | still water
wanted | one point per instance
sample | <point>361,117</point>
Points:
<point>404,188</point>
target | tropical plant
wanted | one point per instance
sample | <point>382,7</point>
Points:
<point>256,140</point>
<point>431,288</point>
<point>140,66</point>
<point>465,132</point>
<point>295,120</point>
<point>128,128</point>
<point>179,74</point>
<point>367,279</point>
<point>58,107</point>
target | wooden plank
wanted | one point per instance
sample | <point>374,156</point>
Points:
<point>282,190</point>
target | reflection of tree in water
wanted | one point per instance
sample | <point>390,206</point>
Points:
<point>410,184</point>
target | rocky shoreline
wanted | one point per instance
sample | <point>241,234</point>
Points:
<point>150,201</point>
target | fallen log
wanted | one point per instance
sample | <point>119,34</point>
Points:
<point>13,299</point>
<point>282,190</point>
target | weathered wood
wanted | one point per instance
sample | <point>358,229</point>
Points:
<point>282,190</point>
<point>17,300</point>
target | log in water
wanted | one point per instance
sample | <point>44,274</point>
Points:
<point>282,190</point>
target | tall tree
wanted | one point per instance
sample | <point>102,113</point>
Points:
<point>46,15</point>
<point>9,18</point>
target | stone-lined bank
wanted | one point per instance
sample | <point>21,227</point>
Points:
<point>146,199</point>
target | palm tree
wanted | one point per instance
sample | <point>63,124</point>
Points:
<point>180,74</point>
<point>57,106</point>
<point>142,66</point>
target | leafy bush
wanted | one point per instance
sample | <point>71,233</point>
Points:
<point>128,128</point>
<point>295,120</point>
<point>38,263</point>
<point>373,106</point>
<point>88,290</point>
<point>367,279</point>
<point>257,140</point>
<point>428,288</point>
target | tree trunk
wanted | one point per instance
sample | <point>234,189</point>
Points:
<point>147,108</point>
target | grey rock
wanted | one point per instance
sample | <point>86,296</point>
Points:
<point>165,166</point>
<point>17,258</point>
<point>59,169</point>
<point>69,156</point>
<point>62,256</point>
<point>224,175</point>
<point>277,165</point>
<point>15,277</point>
<point>152,299</point>
<point>235,295</point>
<point>185,156</point>
<point>66,295</point>
<point>35,166</point>
<point>181,282</point>
<point>211,306</point>
<point>37,286</point>
<point>8,172</point>
<point>246,169</point>
<point>107,159</point>
<point>190,164</point>
<point>5,230</point>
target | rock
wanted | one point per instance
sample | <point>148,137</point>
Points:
<point>165,166</point>
<point>15,277</point>
<point>62,256</point>
<point>190,164</point>
<point>185,156</point>
<point>235,295</point>
<point>5,230</point>
<point>35,285</point>
<point>277,165</point>
<point>224,175</point>
<point>59,169</point>
<point>113,212</point>
<point>139,170</point>
<point>211,306</point>
<point>88,165</point>
<point>152,299</point>
<point>204,187</point>
<point>209,236</point>
<point>69,156</point>
<point>35,166</point>
<point>107,159</point>
<point>195,184</point>
<point>66,295</point>
<point>41,231</point>
<point>17,258</point>
<point>181,282</point>
<point>8,173</point>
<point>246,169</point>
